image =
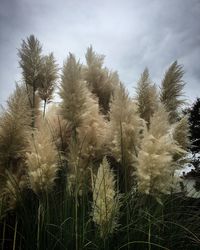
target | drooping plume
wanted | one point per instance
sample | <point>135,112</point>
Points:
<point>171,90</point>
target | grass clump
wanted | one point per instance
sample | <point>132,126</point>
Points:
<point>97,170</point>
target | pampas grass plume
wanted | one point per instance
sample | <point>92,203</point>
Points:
<point>105,200</point>
<point>42,160</point>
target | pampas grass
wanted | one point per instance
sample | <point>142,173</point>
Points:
<point>106,203</point>
<point>147,97</point>
<point>97,171</point>
<point>155,160</point>
<point>99,79</point>
<point>181,132</point>
<point>126,128</point>
<point>41,159</point>
<point>15,124</point>
<point>49,77</point>
<point>172,90</point>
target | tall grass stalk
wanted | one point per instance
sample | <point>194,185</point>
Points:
<point>15,234</point>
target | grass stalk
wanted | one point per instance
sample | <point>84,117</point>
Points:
<point>149,232</point>
<point>3,234</point>
<point>15,234</point>
<point>44,108</point>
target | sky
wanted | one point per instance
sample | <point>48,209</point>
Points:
<point>132,34</point>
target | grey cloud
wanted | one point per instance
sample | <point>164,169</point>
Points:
<point>132,34</point>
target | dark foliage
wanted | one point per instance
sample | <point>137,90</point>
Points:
<point>194,121</point>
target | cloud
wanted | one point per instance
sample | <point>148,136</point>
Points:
<point>132,35</point>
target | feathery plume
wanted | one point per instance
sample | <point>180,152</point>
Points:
<point>31,64</point>
<point>49,77</point>
<point>78,177</point>
<point>181,133</point>
<point>155,170</point>
<point>13,188</point>
<point>126,131</point>
<point>106,201</point>
<point>15,124</point>
<point>171,90</point>
<point>88,146</point>
<point>74,93</point>
<point>31,61</point>
<point>92,133</point>
<point>59,127</point>
<point>81,110</point>
<point>147,97</point>
<point>100,81</point>
<point>41,160</point>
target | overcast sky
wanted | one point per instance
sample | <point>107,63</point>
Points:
<point>133,34</point>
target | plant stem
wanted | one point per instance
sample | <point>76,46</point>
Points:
<point>76,212</point>
<point>3,236</point>
<point>38,226</point>
<point>44,110</point>
<point>149,234</point>
<point>126,181</point>
<point>15,234</point>
<point>33,107</point>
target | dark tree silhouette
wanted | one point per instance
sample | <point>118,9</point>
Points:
<point>194,120</point>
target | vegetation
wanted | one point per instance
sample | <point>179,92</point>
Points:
<point>194,126</point>
<point>97,170</point>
